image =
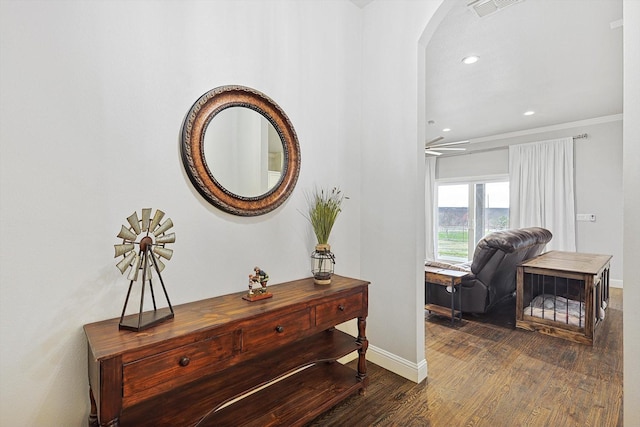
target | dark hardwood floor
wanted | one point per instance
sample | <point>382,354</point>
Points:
<point>485,372</point>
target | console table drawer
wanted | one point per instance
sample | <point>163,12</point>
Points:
<point>276,330</point>
<point>339,310</point>
<point>164,371</point>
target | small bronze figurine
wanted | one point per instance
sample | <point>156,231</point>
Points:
<point>260,277</point>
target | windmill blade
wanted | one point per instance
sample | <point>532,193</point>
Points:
<point>163,252</point>
<point>133,274</point>
<point>123,249</point>
<point>164,227</point>
<point>134,222</point>
<point>159,263</point>
<point>156,220</point>
<point>146,269</point>
<point>146,214</point>
<point>150,259</point>
<point>167,238</point>
<point>124,264</point>
<point>127,234</point>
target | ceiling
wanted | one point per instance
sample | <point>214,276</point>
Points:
<point>559,58</point>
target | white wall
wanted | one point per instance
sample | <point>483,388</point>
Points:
<point>631,149</point>
<point>392,167</point>
<point>93,98</point>
<point>598,179</point>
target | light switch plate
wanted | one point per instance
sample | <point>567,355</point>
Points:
<point>586,217</point>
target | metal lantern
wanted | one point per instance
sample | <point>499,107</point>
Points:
<point>322,264</point>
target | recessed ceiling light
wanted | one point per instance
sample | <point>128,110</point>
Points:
<point>529,113</point>
<point>446,130</point>
<point>470,59</point>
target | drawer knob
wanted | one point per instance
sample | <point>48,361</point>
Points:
<point>341,307</point>
<point>184,361</point>
<point>279,329</point>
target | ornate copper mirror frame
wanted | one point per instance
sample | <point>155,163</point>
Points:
<point>192,149</point>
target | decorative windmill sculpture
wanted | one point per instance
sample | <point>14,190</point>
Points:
<point>143,261</point>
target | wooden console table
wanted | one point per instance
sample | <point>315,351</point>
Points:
<point>444,277</point>
<point>577,276</point>
<point>200,368</point>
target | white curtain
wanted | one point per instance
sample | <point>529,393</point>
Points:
<point>542,190</point>
<point>430,203</point>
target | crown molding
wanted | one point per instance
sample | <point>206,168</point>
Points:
<point>561,126</point>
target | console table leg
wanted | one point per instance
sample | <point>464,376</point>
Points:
<point>362,360</point>
<point>460,302</point>
<point>453,291</point>
<point>93,414</point>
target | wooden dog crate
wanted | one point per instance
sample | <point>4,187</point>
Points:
<point>563,294</point>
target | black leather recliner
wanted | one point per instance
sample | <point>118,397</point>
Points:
<point>492,275</point>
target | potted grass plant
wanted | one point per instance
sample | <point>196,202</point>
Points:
<point>324,207</point>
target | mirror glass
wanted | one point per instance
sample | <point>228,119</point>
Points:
<point>252,164</point>
<point>240,150</point>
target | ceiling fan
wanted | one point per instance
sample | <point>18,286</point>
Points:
<point>430,147</point>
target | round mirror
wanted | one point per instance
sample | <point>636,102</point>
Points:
<point>240,150</point>
<point>252,164</point>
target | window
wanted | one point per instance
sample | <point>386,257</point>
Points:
<point>466,212</point>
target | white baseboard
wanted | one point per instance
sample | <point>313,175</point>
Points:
<point>615,283</point>
<point>415,372</point>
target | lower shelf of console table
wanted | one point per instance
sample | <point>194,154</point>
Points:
<point>226,361</point>
<point>309,393</point>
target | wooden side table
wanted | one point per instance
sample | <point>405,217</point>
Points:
<point>444,277</point>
